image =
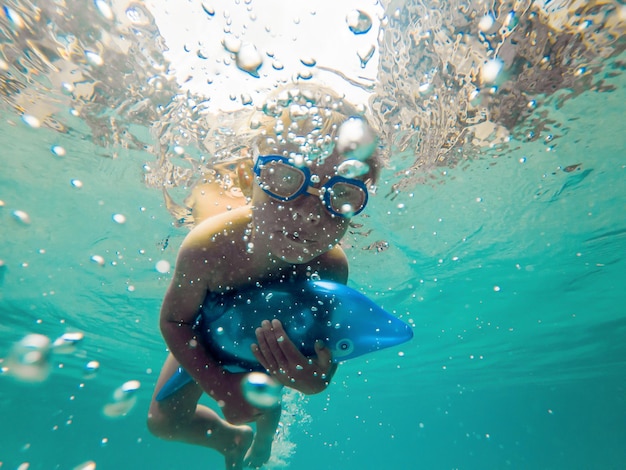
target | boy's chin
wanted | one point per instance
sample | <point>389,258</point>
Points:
<point>297,256</point>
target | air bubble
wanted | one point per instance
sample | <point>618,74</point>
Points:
<point>359,22</point>
<point>298,112</point>
<point>119,218</point>
<point>208,9</point>
<point>94,58</point>
<point>29,359</point>
<point>352,169</point>
<point>21,216</point>
<point>137,15</point>
<point>76,183</point>
<point>88,465</point>
<point>57,150</point>
<point>486,22</point>
<point>32,121</point>
<point>104,9</point>
<point>92,367</point>
<point>13,17</point>
<point>347,210</point>
<point>249,59</point>
<point>305,75</point>
<point>231,44</point>
<point>261,390</point>
<point>308,62</point>
<point>66,344</point>
<point>355,139</point>
<point>98,260</point>
<point>163,266</point>
<point>490,70</point>
<point>124,399</point>
<point>366,54</point>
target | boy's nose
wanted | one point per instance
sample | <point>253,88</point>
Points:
<point>309,210</point>
<point>307,217</point>
<point>313,218</point>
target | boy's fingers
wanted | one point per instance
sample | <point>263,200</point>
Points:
<point>278,354</point>
<point>290,352</point>
<point>324,355</point>
<point>264,353</point>
<point>273,338</point>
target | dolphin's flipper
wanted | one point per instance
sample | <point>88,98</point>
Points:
<point>174,384</point>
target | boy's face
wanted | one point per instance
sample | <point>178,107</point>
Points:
<point>299,230</point>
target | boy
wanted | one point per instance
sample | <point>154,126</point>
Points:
<point>300,209</point>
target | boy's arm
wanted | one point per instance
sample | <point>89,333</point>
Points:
<point>179,311</point>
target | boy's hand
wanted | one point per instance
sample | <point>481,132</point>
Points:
<point>280,357</point>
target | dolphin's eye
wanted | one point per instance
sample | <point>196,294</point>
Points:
<point>344,347</point>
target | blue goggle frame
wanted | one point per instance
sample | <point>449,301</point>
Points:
<point>307,187</point>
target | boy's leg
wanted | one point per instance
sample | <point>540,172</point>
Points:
<point>180,418</point>
<point>261,449</point>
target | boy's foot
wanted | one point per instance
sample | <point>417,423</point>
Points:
<point>258,454</point>
<point>234,455</point>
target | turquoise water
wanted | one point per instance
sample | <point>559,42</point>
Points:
<point>510,265</point>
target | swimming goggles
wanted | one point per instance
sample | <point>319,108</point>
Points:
<point>279,178</point>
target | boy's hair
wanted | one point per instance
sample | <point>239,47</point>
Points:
<point>303,119</point>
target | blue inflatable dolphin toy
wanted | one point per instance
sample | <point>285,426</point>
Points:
<point>349,323</point>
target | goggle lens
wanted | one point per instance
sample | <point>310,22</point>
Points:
<point>281,180</point>
<point>346,199</point>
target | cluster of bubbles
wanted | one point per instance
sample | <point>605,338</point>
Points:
<point>31,358</point>
<point>303,120</point>
<point>249,59</point>
<point>455,79</point>
<point>357,141</point>
<point>247,56</point>
<point>75,56</point>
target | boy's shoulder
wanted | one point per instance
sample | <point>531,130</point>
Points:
<point>220,227</point>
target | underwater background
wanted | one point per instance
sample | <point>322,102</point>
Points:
<point>498,230</point>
